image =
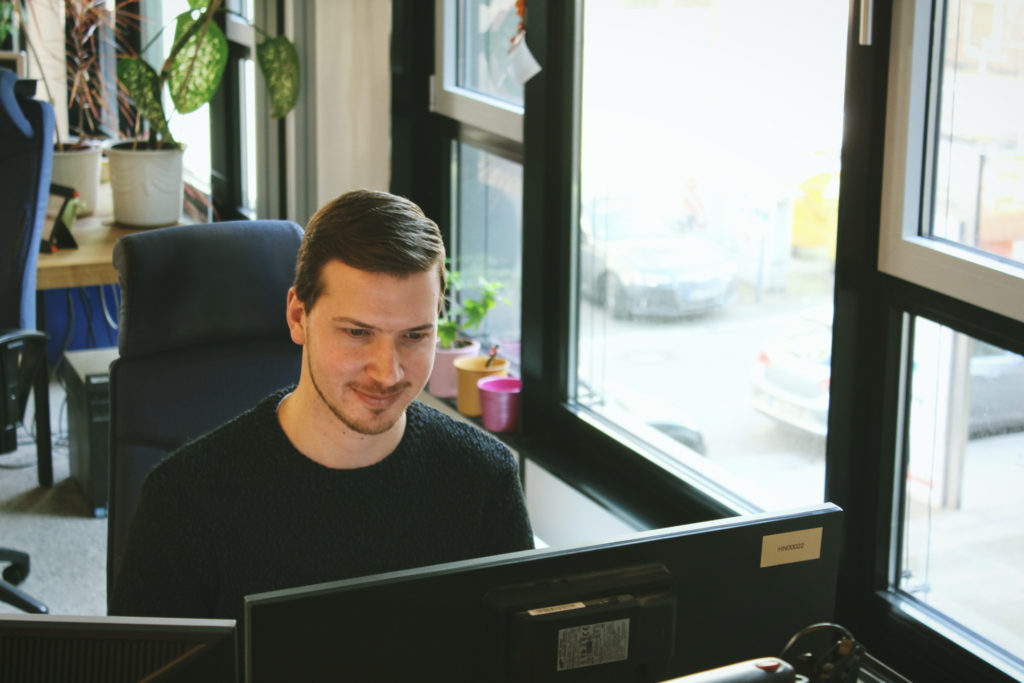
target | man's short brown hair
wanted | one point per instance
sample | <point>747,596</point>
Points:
<point>370,230</point>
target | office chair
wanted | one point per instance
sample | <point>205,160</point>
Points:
<point>202,337</point>
<point>26,158</point>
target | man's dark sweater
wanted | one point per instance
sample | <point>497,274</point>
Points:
<point>241,511</point>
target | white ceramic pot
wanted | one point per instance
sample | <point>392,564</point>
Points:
<point>444,380</point>
<point>147,185</point>
<point>80,169</point>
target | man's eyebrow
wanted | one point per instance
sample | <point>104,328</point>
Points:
<point>366,326</point>
<point>352,321</point>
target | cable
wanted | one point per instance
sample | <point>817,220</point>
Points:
<point>111,321</point>
<point>66,341</point>
<point>90,332</point>
<point>839,662</point>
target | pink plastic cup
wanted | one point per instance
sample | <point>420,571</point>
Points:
<point>499,401</point>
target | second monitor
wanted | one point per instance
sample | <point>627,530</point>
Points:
<point>646,607</point>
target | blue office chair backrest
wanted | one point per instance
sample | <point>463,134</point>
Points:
<point>202,337</point>
<point>26,159</point>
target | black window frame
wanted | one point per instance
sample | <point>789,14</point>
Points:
<point>869,307</point>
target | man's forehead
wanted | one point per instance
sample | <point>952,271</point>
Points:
<point>353,292</point>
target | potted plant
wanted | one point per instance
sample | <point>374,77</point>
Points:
<point>458,317</point>
<point>90,27</point>
<point>143,168</point>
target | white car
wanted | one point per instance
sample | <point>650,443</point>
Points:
<point>792,375</point>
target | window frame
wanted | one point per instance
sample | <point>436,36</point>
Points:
<point>615,471</point>
<point>495,116</point>
<point>903,252</point>
<point>879,284</point>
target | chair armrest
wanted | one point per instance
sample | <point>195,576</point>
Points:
<point>8,337</point>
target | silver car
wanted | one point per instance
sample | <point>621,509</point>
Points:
<point>639,264</point>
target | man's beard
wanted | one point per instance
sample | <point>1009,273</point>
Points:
<point>358,427</point>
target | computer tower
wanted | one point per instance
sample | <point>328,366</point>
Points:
<point>86,376</point>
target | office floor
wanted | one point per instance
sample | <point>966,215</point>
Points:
<point>66,544</point>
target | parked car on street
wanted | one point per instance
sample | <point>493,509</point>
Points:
<point>792,375</point>
<point>637,263</point>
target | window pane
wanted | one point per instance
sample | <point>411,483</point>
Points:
<point>489,241</point>
<point>962,551</point>
<point>979,164</point>
<point>247,116</point>
<point>192,128</point>
<point>709,189</point>
<point>486,28</point>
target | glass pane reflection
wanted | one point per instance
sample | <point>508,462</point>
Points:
<point>709,189</point>
<point>963,547</point>
<point>488,245</point>
<point>486,28</point>
<point>979,163</point>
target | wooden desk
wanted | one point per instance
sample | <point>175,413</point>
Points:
<point>92,263</point>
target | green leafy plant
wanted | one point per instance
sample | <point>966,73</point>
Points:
<point>194,66</point>
<point>467,314</point>
<point>6,19</point>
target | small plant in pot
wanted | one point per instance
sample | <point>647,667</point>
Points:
<point>192,73</point>
<point>458,317</point>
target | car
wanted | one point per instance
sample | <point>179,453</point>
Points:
<point>638,263</point>
<point>792,375</point>
<point>791,378</point>
<point>997,391</point>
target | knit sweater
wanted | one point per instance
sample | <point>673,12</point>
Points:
<point>241,511</point>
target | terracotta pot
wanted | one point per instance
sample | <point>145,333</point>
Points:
<point>443,379</point>
<point>470,371</point>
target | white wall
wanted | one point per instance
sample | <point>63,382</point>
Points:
<point>353,96</point>
<point>45,20</point>
<point>562,516</point>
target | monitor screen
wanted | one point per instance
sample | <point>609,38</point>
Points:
<point>644,607</point>
<point>84,649</point>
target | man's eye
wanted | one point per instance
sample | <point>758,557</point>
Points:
<point>416,336</point>
<point>356,332</point>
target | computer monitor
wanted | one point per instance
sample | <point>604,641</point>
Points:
<point>100,649</point>
<point>646,607</point>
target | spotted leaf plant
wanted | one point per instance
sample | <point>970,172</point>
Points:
<point>194,66</point>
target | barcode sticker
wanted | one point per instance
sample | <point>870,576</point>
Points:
<point>593,644</point>
<point>556,608</point>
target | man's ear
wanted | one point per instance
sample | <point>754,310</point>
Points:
<point>295,312</point>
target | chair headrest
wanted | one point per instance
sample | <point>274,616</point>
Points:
<point>195,285</point>
<point>12,120</point>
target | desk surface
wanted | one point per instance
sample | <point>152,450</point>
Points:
<point>92,262</point>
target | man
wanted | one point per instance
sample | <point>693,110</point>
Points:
<point>345,474</point>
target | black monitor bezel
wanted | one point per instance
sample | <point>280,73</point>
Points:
<point>335,615</point>
<point>106,647</point>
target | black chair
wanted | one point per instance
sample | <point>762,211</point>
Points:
<point>26,158</point>
<point>202,338</point>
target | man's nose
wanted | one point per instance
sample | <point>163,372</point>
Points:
<point>385,366</point>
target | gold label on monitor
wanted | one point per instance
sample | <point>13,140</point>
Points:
<point>792,546</point>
